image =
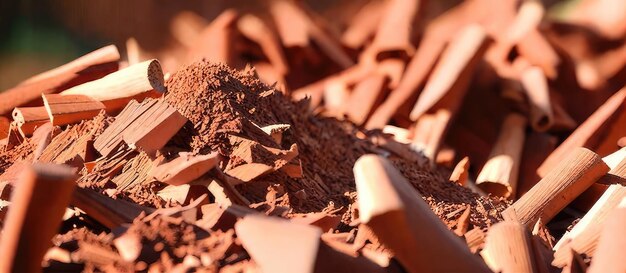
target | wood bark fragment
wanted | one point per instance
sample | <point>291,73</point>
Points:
<point>580,169</point>
<point>499,176</point>
<point>418,239</point>
<point>37,206</point>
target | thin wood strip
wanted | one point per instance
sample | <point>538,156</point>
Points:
<point>68,109</point>
<point>578,171</point>
<point>587,132</point>
<point>508,248</point>
<point>37,206</point>
<point>126,83</point>
<point>454,61</point>
<point>405,224</point>
<point>86,68</point>
<point>499,175</point>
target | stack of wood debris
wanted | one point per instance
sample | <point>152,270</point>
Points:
<point>414,139</point>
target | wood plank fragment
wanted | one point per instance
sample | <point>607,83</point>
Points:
<point>68,109</point>
<point>37,206</point>
<point>404,222</point>
<point>562,185</point>
<point>185,168</point>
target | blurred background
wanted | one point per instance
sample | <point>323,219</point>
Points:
<point>43,34</point>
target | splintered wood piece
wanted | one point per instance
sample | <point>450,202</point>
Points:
<point>455,61</point>
<point>154,128</point>
<point>394,31</point>
<point>276,131</point>
<point>536,86</point>
<point>29,118</point>
<point>124,84</point>
<point>185,168</point>
<point>583,238</point>
<point>366,95</point>
<point>86,68</point>
<point>405,223</point>
<point>68,109</point>
<point>578,171</point>
<point>461,172</point>
<point>499,176</point>
<point>109,212</point>
<point>508,248</point>
<point>253,28</point>
<point>222,217</point>
<point>147,126</point>
<point>37,206</point>
<point>588,132</point>
<point>295,248</point>
<point>609,255</point>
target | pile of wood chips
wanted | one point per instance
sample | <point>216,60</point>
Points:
<point>416,138</point>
